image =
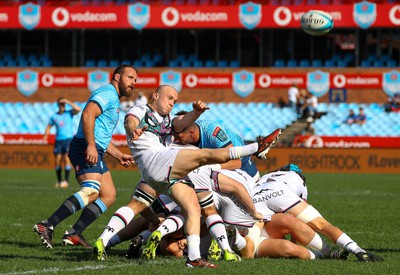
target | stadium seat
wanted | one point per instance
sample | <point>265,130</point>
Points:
<point>304,63</point>
<point>210,63</point>
<point>391,63</point>
<point>186,64</point>
<point>329,63</point>
<point>173,63</point>
<point>316,63</point>
<point>222,63</point>
<point>279,63</point>
<point>234,64</point>
<point>378,63</point>
<point>292,63</point>
<point>365,63</point>
<point>198,63</point>
<point>114,63</point>
<point>149,63</point>
<point>342,63</point>
<point>138,63</point>
<point>102,63</point>
<point>90,63</point>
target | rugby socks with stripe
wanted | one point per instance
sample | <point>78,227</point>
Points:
<point>347,243</point>
<point>217,230</point>
<point>69,207</point>
<point>118,221</point>
<point>89,214</point>
<point>170,225</point>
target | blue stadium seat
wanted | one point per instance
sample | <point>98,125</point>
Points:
<point>378,63</point>
<point>198,63</point>
<point>365,63</point>
<point>329,63</point>
<point>342,64</point>
<point>279,63</point>
<point>210,63</point>
<point>114,63</point>
<point>186,64</point>
<point>47,63</point>
<point>149,63</point>
<point>173,63</point>
<point>292,63</point>
<point>90,63</point>
<point>304,63</point>
<point>102,63</point>
<point>234,63</point>
<point>138,63</point>
<point>316,63</point>
<point>222,63</point>
<point>391,63</point>
<point>11,63</point>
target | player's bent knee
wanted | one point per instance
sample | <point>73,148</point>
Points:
<point>89,189</point>
<point>309,214</point>
<point>142,196</point>
<point>207,201</point>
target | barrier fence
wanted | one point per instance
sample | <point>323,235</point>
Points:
<point>313,160</point>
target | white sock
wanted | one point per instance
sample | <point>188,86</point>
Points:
<point>170,225</point>
<point>319,244</point>
<point>193,245</point>
<point>119,220</point>
<point>238,152</point>
<point>217,229</point>
<point>347,243</point>
<point>240,242</point>
<point>312,255</point>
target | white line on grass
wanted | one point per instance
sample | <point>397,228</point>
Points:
<point>82,268</point>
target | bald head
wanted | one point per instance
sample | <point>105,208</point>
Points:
<point>164,99</point>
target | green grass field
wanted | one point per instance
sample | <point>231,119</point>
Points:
<point>366,207</point>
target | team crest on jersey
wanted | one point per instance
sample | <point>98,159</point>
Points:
<point>391,82</point>
<point>138,15</point>
<point>364,14</point>
<point>171,78</point>
<point>27,82</point>
<point>318,83</point>
<point>250,15</point>
<point>96,79</point>
<point>219,134</point>
<point>243,83</point>
<point>29,15</point>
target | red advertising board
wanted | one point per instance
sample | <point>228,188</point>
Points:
<point>246,15</point>
<point>314,141</point>
<point>300,141</point>
<point>30,79</point>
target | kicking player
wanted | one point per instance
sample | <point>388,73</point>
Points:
<point>148,128</point>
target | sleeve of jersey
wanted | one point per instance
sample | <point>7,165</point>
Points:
<point>100,100</point>
<point>218,138</point>
<point>136,111</point>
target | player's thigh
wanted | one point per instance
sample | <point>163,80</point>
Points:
<point>185,197</point>
<point>276,248</point>
<point>107,188</point>
<point>188,160</point>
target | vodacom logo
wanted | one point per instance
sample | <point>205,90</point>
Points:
<point>314,142</point>
<point>264,81</point>
<point>191,80</point>
<point>170,17</point>
<point>339,81</point>
<point>60,17</point>
<point>394,15</point>
<point>47,80</point>
<point>282,16</point>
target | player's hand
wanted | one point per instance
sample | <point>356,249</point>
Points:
<point>126,160</point>
<point>199,106</point>
<point>257,216</point>
<point>91,155</point>
<point>137,133</point>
